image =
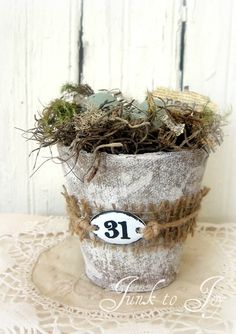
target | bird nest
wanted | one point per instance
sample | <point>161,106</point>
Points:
<point>107,121</point>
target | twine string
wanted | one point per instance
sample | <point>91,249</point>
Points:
<point>179,217</point>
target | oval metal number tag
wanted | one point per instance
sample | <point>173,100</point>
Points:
<point>117,227</point>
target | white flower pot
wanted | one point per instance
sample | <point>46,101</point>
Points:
<point>122,180</point>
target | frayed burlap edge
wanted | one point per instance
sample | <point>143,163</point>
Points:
<point>167,223</point>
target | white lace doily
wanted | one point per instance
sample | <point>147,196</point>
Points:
<point>70,303</point>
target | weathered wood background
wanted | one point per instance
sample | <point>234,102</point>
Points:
<point>129,44</point>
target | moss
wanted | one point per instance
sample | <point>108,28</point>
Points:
<point>84,90</point>
<point>55,116</point>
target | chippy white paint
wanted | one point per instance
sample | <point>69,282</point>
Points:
<point>104,261</point>
<point>173,174</point>
<point>128,44</point>
<point>117,227</point>
<point>104,265</point>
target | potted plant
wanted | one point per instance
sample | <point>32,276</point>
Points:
<point>134,172</point>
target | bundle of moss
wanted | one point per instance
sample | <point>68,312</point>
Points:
<point>106,121</point>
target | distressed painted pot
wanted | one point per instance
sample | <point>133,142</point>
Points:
<point>133,179</point>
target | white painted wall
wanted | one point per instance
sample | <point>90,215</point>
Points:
<point>129,44</point>
<point>133,45</point>
<point>210,68</point>
<point>39,52</point>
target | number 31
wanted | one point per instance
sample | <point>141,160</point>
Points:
<point>111,226</point>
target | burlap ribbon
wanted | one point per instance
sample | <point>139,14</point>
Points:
<point>170,221</point>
